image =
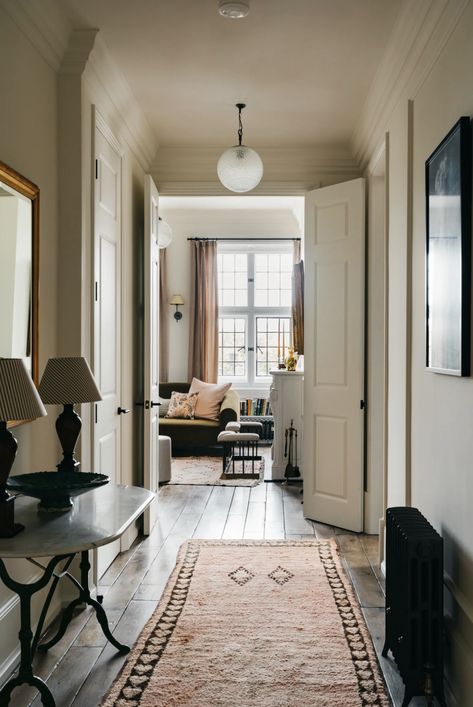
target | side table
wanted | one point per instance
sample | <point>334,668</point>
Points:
<point>97,518</point>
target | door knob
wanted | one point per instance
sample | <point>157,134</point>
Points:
<point>122,411</point>
<point>155,405</point>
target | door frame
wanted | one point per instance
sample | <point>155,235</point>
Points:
<point>377,401</point>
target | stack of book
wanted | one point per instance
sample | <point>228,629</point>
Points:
<point>255,407</point>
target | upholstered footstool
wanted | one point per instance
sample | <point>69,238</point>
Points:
<point>242,447</point>
<point>164,458</point>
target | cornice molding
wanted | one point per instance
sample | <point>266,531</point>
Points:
<point>81,43</point>
<point>102,70</point>
<point>43,23</point>
<point>193,171</point>
<point>420,34</point>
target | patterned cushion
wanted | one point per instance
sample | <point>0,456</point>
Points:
<point>182,405</point>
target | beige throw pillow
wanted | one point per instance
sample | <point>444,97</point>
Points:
<point>210,398</point>
<point>182,405</point>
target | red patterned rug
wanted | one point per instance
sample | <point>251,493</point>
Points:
<point>254,624</point>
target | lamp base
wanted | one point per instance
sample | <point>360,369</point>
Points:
<point>68,465</point>
<point>68,426</point>
<point>8,527</point>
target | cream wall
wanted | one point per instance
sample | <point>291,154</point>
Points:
<point>209,222</point>
<point>430,447</point>
<point>442,406</point>
<point>28,143</point>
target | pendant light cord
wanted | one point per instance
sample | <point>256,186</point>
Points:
<point>240,107</point>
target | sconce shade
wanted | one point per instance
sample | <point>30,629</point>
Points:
<point>19,399</point>
<point>177,299</point>
<point>67,381</point>
<point>164,233</point>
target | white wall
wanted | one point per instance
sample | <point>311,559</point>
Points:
<point>28,143</point>
<point>218,217</point>
<point>442,406</point>
<point>430,440</point>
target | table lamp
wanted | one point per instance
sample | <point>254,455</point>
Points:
<point>67,381</point>
<point>19,400</point>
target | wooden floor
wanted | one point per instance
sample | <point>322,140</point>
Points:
<point>82,666</point>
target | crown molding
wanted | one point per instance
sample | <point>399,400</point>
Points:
<point>43,23</point>
<point>81,43</point>
<point>102,73</point>
<point>193,171</point>
<point>420,34</point>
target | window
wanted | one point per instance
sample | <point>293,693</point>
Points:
<point>255,324</point>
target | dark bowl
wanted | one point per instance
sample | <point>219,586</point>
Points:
<point>56,489</point>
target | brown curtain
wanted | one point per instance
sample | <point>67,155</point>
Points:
<point>203,311</point>
<point>298,299</point>
<point>163,319</point>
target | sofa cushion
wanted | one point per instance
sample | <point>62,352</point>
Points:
<point>182,405</point>
<point>163,406</point>
<point>210,398</point>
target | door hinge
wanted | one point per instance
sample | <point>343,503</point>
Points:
<point>96,169</point>
<point>96,291</point>
<point>362,404</point>
<point>96,413</point>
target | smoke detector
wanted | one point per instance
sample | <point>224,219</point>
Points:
<point>234,9</point>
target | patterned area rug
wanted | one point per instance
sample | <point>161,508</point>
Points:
<point>207,471</point>
<point>254,623</point>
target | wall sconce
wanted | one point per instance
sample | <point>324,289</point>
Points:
<point>177,300</point>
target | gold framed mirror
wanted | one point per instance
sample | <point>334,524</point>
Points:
<point>19,268</point>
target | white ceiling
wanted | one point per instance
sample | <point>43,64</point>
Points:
<point>304,67</point>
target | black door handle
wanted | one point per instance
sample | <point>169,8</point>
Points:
<point>155,405</point>
<point>122,411</point>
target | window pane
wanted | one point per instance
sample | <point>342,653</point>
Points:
<point>241,281</point>
<point>232,347</point>
<point>240,298</point>
<point>241,263</point>
<point>261,298</point>
<point>261,263</point>
<point>232,277</point>
<point>286,263</point>
<point>286,298</point>
<point>270,340</point>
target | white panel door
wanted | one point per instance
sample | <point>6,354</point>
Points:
<point>107,317</point>
<point>334,354</point>
<point>151,350</point>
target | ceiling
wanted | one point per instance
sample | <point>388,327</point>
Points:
<point>303,67</point>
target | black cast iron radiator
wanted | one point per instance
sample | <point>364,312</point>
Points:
<point>414,602</point>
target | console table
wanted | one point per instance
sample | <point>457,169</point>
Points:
<point>97,518</point>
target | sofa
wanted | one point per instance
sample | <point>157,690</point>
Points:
<point>190,435</point>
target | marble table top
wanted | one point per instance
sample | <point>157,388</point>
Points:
<point>97,518</point>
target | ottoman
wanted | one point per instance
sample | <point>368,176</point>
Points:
<point>164,458</point>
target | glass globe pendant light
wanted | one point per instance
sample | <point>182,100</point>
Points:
<point>164,233</point>
<point>240,168</point>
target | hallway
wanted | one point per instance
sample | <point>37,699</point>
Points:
<point>81,667</point>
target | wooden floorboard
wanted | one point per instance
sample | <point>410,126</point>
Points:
<point>82,666</point>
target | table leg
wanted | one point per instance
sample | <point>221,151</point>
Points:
<point>84,598</point>
<point>25,671</point>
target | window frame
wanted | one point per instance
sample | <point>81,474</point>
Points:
<point>251,312</point>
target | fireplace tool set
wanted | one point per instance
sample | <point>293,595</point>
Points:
<point>291,471</point>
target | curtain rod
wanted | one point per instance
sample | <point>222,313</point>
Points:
<point>254,240</point>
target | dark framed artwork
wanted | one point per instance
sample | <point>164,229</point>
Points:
<point>448,253</point>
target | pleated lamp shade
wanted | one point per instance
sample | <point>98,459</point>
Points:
<point>19,399</point>
<point>68,380</point>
